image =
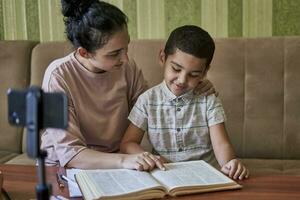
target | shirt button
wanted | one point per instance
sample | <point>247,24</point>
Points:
<point>178,129</point>
<point>178,109</point>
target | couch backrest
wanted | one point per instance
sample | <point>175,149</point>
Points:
<point>43,54</point>
<point>258,81</point>
<point>15,57</point>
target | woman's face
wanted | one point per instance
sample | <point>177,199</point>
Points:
<point>112,55</point>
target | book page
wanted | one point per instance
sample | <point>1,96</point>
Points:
<point>74,190</point>
<point>114,182</point>
<point>189,174</point>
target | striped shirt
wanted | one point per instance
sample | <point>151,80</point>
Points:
<point>178,127</point>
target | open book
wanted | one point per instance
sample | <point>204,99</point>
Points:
<point>179,179</point>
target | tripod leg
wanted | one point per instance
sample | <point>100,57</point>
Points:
<point>43,190</point>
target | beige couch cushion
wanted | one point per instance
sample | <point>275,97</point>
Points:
<point>145,53</point>
<point>258,80</point>
<point>15,59</point>
<point>273,166</point>
<point>21,159</point>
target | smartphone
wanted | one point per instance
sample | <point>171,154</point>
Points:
<point>52,109</point>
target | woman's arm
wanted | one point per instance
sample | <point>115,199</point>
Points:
<point>91,159</point>
<point>205,88</point>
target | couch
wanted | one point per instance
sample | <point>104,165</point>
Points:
<point>257,79</point>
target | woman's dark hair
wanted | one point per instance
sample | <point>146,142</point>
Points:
<point>91,23</point>
<point>192,40</point>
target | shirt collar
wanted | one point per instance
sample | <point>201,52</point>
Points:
<point>169,96</point>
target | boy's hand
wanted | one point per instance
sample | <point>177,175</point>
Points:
<point>154,159</point>
<point>235,169</point>
<point>143,162</point>
<point>205,87</point>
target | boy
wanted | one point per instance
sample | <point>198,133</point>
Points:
<point>182,126</point>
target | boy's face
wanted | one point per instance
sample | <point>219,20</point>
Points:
<point>183,71</point>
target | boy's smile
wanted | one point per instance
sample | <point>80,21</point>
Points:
<point>183,71</point>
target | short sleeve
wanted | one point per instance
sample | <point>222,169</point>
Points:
<point>215,112</point>
<point>138,114</point>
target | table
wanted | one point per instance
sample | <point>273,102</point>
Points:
<point>20,182</point>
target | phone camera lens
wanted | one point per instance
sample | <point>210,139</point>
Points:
<point>15,118</point>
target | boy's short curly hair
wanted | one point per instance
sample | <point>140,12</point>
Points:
<point>192,40</point>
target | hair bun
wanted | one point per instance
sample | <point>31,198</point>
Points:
<point>75,8</point>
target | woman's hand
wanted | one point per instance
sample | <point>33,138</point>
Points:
<point>205,87</point>
<point>235,169</point>
<point>143,162</point>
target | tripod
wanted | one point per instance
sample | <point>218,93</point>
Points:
<point>37,110</point>
<point>33,124</point>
